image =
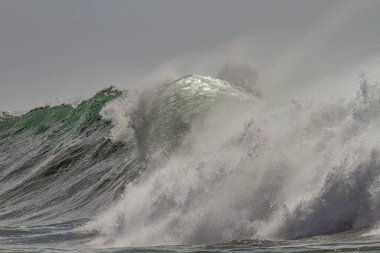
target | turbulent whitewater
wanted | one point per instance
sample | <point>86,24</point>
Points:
<point>193,161</point>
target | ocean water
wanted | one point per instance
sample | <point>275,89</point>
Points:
<point>198,164</point>
<point>64,238</point>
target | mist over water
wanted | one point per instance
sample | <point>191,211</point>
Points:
<point>248,145</point>
<point>249,169</point>
<point>292,155</point>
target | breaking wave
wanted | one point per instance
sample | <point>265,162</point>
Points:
<point>199,160</point>
<point>243,171</point>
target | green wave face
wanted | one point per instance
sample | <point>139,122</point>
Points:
<point>54,153</point>
<point>161,121</point>
<point>58,118</point>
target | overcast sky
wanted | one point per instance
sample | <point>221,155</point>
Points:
<point>53,49</point>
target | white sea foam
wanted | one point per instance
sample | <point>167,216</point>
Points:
<point>302,159</point>
<point>257,169</point>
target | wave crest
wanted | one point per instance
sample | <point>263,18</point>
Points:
<point>244,171</point>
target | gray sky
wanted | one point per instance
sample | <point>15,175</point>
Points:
<point>58,49</point>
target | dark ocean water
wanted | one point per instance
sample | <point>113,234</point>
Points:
<point>64,238</point>
<point>199,162</point>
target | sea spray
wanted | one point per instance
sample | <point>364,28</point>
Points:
<point>246,169</point>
